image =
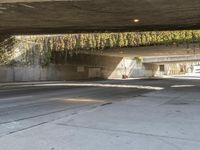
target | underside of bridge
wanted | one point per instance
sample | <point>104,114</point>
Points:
<point>64,16</point>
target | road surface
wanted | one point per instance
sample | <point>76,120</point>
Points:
<point>112,114</point>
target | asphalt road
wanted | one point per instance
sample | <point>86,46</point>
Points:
<point>28,105</point>
<point>20,104</point>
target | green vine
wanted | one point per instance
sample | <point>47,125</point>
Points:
<point>42,47</point>
<point>138,59</point>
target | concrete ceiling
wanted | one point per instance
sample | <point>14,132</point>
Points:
<point>62,16</point>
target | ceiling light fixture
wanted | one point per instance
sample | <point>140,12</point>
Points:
<point>136,20</point>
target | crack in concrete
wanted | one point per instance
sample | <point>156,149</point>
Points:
<point>41,115</point>
<point>108,103</point>
<point>129,132</point>
<point>170,143</point>
<point>52,120</point>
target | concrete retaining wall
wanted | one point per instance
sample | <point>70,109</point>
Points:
<point>37,73</point>
<point>108,68</point>
<point>79,68</point>
<point>131,68</point>
<point>52,72</point>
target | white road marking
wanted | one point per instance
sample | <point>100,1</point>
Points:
<point>104,85</point>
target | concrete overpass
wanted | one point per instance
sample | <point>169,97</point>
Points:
<point>64,16</point>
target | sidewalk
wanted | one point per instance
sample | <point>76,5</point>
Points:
<point>190,76</point>
<point>13,84</point>
<point>9,84</point>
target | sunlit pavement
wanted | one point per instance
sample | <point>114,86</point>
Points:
<point>186,76</point>
<point>142,114</point>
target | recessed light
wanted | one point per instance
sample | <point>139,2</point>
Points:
<point>136,20</point>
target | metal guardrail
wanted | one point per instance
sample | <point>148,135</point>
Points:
<point>172,58</point>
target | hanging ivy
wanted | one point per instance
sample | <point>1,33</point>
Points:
<point>70,44</point>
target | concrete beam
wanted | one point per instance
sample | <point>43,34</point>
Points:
<point>32,1</point>
<point>67,16</point>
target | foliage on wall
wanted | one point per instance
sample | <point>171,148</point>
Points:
<point>138,59</point>
<point>7,45</point>
<point>38,49</point>
<point>112,40</point>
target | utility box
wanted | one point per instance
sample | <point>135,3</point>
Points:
<point>94,72</point>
